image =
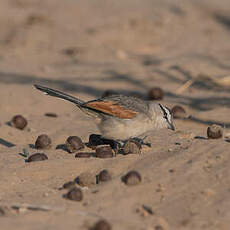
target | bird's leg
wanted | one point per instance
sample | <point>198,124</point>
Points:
<point>140,141</point>
<point>118,145</point>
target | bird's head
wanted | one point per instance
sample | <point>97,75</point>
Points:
<point>163,116</point>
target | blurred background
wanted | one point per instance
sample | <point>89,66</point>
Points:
<point>84,48</point>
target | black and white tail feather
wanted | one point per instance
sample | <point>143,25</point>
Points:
<point>59,94</point>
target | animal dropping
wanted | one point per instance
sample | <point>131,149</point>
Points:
<point>83,154</point>
<point>132,178</point>
<point>37,157</point>
<point>69,185</point>
<point>131,147</point>
<point>19,122</point>
<point>43,142</point>
<point>74,194</point>
<point>74,143</point>
<point>104,151</point>
<point>158,227</point>
<point>214,132</point>
<point>108,93</point>
<point>86,179</point>
<point>156,93</point>
<point>178,112</point>
<point>51,115</point>
<point>104,176</point>
<point>101,225</point>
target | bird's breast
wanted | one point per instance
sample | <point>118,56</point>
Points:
<point>122,129</point>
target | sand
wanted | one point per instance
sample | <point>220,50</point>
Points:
<point>84,48</point>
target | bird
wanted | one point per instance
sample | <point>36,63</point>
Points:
<point>121,117</point>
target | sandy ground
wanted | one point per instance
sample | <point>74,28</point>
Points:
<point>83,48</point>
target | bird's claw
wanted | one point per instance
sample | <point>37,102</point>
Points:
<point>140,141</point>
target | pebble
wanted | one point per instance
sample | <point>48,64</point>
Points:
<point>84,154</point>
<point>51,115</point>
<point>131,147</point>
<point>101,225</point>
<point>69,185</point>
<point>2,211</point>
<point>178,112</point>
<point>132,178</point>
<point>108,93</point>
<point>37,157</point>
<point>158,227</point>
<point>43,142</point>
<point>74,143</point>
<point>19,122</point>
<point>74,194</point>
<point>156,93</point>
<point>86,179</point>
<point>214,132</point>
<point>72,51</point>
<point>104,151</point>
<point>104,176</point>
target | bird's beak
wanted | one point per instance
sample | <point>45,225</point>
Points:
<point>172,127</point>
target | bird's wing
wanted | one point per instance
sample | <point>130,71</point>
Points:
<point>114,106</point>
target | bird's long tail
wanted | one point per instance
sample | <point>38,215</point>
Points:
<point>56,93</point>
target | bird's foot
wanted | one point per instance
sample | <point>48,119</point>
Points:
<point>140,141</point>
<point>117,145</point>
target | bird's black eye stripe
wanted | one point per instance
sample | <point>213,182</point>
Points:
<point>165,113</point>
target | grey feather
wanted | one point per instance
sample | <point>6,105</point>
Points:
<point>59,94</point>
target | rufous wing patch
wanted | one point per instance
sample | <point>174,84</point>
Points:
<point>113,109</point>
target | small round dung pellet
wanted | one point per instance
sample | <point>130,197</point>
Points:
<point>86,179</point>
<point>84,154</point>
<point>158,227</point>
<point>132,178</point>
<point>102,225</point>
<point>51,115</point>
<point>43,142</point>
<point>19,122</point>
<point>104,176</point>
<point>178,112</point>
<point>131,147</point>
<point>74,194</point>
<point>214,132</point>
<point>109,93</point>
<point>69,185</point>
<point>104,151</point>
<point>74,143</point>
<point>156,93</point>
<point>37,157</point>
